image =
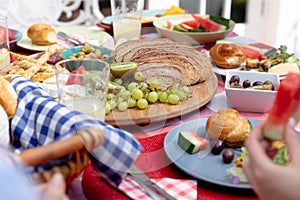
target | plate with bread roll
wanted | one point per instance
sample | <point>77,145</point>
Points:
<point>206,148</point>
<point>229,56</point>
<point>39,37</point>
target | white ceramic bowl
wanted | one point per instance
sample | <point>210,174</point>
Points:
<point>251,100</point>
<point>194,38</point>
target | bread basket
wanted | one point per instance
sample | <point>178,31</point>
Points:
<point>78,145</point>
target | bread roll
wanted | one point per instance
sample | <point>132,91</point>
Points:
<point>8,97</point>
<point>227,55</point>
<point>42,34</point>
<point>228,126</point>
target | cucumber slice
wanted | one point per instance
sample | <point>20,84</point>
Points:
<point>260,87</point>
<point>220,20</point>
<point>190,142</point>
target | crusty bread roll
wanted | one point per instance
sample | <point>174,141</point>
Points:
<point>42,34</point>
<point>8,97</point>
<point>227,55</point>
<point>228,126</point>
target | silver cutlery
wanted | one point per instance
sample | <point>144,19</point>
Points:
<point>150,187</point>
<point>68,39</point>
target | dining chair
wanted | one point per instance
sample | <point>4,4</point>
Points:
<point>22,14</point>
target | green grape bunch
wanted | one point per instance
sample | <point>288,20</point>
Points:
<point>136,93</point>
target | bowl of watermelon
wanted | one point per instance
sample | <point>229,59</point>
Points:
<point>193,28</point>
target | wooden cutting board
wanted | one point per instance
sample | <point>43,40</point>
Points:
<point>202,93</point>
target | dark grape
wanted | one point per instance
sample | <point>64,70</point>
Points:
<point>234,79</point>
<point>228,156</point>
<point>217,146</point>
<point>246,83</point>
<point>269,82</point>
<point>257,83</point>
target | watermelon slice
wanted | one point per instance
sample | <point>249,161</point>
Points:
<point>170,25</point>
<point>286,104</point>
<point>192,23</point>
<point>208,24</point>
<point>190,142</point>
<point>180,28</point>
<point>252,52</point>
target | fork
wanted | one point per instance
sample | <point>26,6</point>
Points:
<point>68,39</point>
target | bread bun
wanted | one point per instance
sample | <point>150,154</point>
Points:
<point>42,34</point>
<point>228,126</point>
<point>8,97</point>
<point>227,55</point>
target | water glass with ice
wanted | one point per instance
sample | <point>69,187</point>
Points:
<point>82,85</point>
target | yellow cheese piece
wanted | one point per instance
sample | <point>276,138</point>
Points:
<point>283,69</point>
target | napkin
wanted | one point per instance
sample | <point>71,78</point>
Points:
<point>181,189</point>
<point>40,120</point>
<point>80,37</point>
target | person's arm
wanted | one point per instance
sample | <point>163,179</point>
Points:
<point>15,183</point>
<point>270,180</point>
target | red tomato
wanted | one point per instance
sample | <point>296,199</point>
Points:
<point>81,69</point>
<point>76,79</point>
<point>11,35</point>
<point>72,80</point>
<point>2,34</point>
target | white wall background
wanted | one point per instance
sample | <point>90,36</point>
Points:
<point>274,22</point>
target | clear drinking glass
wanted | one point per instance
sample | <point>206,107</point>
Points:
<point>83,88</point>
<point>127,18</point>
<point>4,42</point>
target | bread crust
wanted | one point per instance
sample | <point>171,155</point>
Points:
<point>8,97</point>
<point>42,34</point>
<point>228,126</point>
<point>227,55</point>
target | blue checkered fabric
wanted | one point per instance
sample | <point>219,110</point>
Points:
<point>40,120</point>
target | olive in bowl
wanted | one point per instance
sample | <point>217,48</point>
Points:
<point>94,52</point>
<point>256,95</point>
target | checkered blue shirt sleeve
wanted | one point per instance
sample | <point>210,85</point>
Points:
<point>40,120</point>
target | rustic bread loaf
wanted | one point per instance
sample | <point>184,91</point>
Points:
<point>132,45</point>
<point>181,60</point>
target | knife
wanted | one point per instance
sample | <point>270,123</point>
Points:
<point>68,39</point>
<point>139,176</point>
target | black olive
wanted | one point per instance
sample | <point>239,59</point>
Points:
<point>234,79</point>
<point>228,156</point>
<point>257,83</point>
<point>246,83</point>
<point>269,82</point>
<point>217,146</point>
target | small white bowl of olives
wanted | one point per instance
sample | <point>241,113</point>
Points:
<point>251,91</point>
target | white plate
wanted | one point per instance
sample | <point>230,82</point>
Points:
<point>92,35</point>
<point>203,165</point>
<point>242,67</point>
